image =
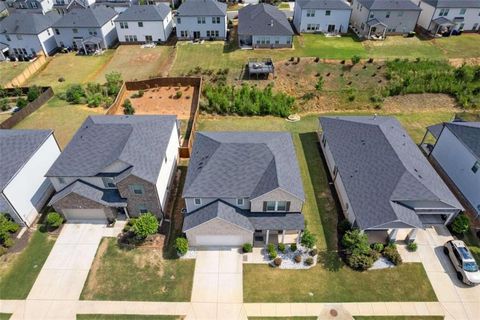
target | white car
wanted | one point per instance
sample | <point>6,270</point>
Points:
<point>463,262</point>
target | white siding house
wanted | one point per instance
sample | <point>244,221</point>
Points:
<point>26,156</point>
<point>331,16</point>
<point>201,19</point>
<point>63,6</point>
<point>446,16</point>
<point>33,6</point>
<point>145,24</point>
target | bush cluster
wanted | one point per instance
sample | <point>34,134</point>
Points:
<point>272,252</point>
<point>128,108</point>
<point>247,247</point>
<point>54,220</point>
<point>460,224</point>
<point>308,239</point>
<point>412,246</point>
<point>181,245</point>
<point>7,227</point>
<point>391,253</point>
<point>281,247</point>
<point>246,101</point>
<point>293,247</point>
<point>145,225</point>
<point>359,254</point>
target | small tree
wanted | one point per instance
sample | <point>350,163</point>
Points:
<point>33,93</point>
<point>75,94</point>
<point>145,225</point>
<point>7,226</point>
<point>247,247</point>
<point>319,85</point>
<point>128,107</point>
<point>114,82</point>
<point>21,103</point>
<point>460,224</point>
<point>355,240</point>
<point>54,220</point>
<point>355,59</point>
<point>308,239</point>
<point>181,245</point>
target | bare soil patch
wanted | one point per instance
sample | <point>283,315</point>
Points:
<point>425,102</point>
<point>468,61</point>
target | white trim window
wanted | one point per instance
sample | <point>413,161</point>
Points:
<point>273,206</point>
<point>443,12</point>
<point>137,189</point>
<point>123,25</point>
<point>240,202</point>
<point>310,13</point>
<point>197,201</point>
<point>200,20</point>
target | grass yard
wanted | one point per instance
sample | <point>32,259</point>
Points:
<point>400,47</point>
<point>9,70</point>
<point>5,316</point>
<point>464,46</point>
<point>282,318</point>
<point>123,317</point>
<point>283,5</point>
<point>18,274</point>
<point>141,274</point>
<point>136,63</point>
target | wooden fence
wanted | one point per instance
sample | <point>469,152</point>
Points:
<point>32,67</point>
<point>47,93</point>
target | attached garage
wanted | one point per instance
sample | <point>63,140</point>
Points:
<point>224,240</point>
<point>85,215</point>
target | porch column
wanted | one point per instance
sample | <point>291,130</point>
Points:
<point>283,236</point>
<point>266,238</point>
<point>298,237</point>
<point>438,28</point>
<point>369,32</point>
<point>384,32</point>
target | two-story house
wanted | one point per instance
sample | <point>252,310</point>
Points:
<point>32,6</point>
<point>145,24</point>
<point>92,27</point>
<point>63,6</point>
<point>443,17</point>
<point>328,16</point>
<point>201,19</point>
<point>28,34</point>
<point>456,153</point>
<point>243,187</point>
<point>116,165</point>
<point>374,19</point>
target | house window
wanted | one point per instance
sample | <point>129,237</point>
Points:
<point>240,202</point>
<point>183,34</point>
<point>34,5</point>
<point>476,167</point>
<point>310,13</point>
<point>108,182</point>
<point>277,40</point>
<point>140,24</point>
<point>130,38</point>
<point>201,20</point>
<point>372,15</point>
<point>216,20</point>
<point>270,206</point>
<point>462,25</point>
<point>137,189</point>
<point>75,30</point>
<point>289,40</point>
<point>179,20</point>
<point>462,11</point>
<point>197,201</point>
<point>444,12</point>
<point>276,206</point>
<point>92,32</point>
<point>281,205</point>
<point>57,31</point>
<point>328,12</point>
<point>142,208</point>
<point>48,32</point>
<point>388,14</point>
<point>123,25</point>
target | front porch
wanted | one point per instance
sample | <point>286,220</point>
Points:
<point>376,30</point>
<point>262,238</point>
<point>442,27</point>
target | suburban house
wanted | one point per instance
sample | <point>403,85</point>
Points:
<point>201,19</point>
<point>443,17</point>
<point>264,26</point>
<point>144,24</point>
<point>32,6</point>
<point>116,165</point>
<point>385,185</point>
<point>326,16</point>
<point>63,6</point>
<point>374,19</point>
<point>243,187</point>
<point>26,34</point>
<point>90,28</point>
<point>456,153</point>
<point>25,157</point>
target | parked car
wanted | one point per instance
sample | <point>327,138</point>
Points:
<point>463,261</point>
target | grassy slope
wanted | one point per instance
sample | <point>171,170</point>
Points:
<point>20,273</point>
<point>9,70</point>
<point>123,317</point>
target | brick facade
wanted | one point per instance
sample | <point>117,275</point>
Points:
<point>149,198</point>
<point>75,201</point>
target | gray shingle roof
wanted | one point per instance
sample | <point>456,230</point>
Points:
<point>435,130</point>
<point>389,5</point>
<point>323,4</point>
<point>92,17</point>
<point>16,148</point>
<point>27,23</point>
<point>443,21</point>
<point>145,13</point>
<point>453,3</point>
<point>468,133</point>
<point>242,164</point>
<point>197,8</point>
<point>139,141</point>
<point>381,168</point>
<point>243,218</point>
<point>263,19</point>
<point>106,197</point>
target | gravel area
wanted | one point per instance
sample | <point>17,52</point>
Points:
<point>382,263</point>
<point>288,258</point>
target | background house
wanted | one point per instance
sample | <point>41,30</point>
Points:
<point>93,27</point>
<point>28,34</point>
<point>201,19</point>
<point>32,6</point>
<point>241,187</point>
<point>145,24</point>
<point>377,18</point>
<point>385,185</point>
<point>457,152</point>
<point>25,155</point>
<point>63,6</point>
<point>116,165</point>
<point>328,16</point>
<point>263,26</point>
<point>445,16</point>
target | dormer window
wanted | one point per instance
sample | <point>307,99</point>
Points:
<point>476,167</point>
<point>240,202</point>
<point>197,201</point>
<point>276,206</point>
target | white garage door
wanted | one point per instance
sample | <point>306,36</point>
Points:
<point>73,215</point>
<point>223,240</point>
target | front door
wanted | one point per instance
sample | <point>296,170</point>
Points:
<point>331,28</point>
<point>196,34</point>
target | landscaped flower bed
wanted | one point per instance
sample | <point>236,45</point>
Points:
<point>301,258</point>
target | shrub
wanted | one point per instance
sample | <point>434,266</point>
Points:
<point>277,261</point>
<point>355,59</point>
<point>178,94</point>
<point>4,104</point>
<point>309,261</point>
<point>54,220</point>
<point>377,246</point>
<point>75,94</point>
<point>298,258</point>
<point>3,250</point>
<point>390,252</point>
<point>293,247</point>
<point>138,94</point>
<point>375,255</point>
<point>319,85</point>
<point>355,240</point>
<point>308,239</point>
<point>7,226</point>
<point>181,245</point>
<point>114,82</point>
<point>460,224</point>
<point>412,246</point>
<point>94,100</point>
<point>128,107</point>
<point>281,247</point>
<point>21,103</point>
<point>313,252</point>
<point>33,93</point>
<point>247,247</point>
<point>308,96</point>
<point>272,254</point>
<point>360,261</point>
<point>7,243</point>
<point>145,225</point>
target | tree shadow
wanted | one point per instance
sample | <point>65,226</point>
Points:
<point>330,260</point>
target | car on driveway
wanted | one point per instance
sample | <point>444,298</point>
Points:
<point>463,262</point>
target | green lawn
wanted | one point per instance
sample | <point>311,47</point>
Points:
<point>10,70</point>
<point>18,275</point>
<point>124,317</point>
<point>5,316</point>
<point>400,318</point>
<point>464,46</point>
<point>282,318</point>
<point>399,47</point>
<point>140,274</point>
<point>283,5</point>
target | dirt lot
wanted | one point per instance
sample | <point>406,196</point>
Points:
<point>163,100</point>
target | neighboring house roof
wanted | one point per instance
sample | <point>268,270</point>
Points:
<point>384,173</point>
<point>443,21</point>
<point>197,8</point>
<point>375,22</point>
<point>107,197</point>
<point>468,133</point>
<point>323,4</point>
<point>145,13</point>
<point>435,130</point>
<point>389,5</point>
<point>242,164</point>
<point>243,218</point>
<point>453,3</point>
<point>17,147</point>
<point>138,141</point>
<point>86,18</point>
<point>28,23</point>
<point>263,19</point>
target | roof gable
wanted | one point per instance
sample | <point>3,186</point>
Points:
<point>202,8</point>
<point>389,5</point>
<point>28,23</point>
<point>263,19</point>
<point>145,13</point>
<point>91,17</point>
<point>468,133</point>
<point>323,4</point>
